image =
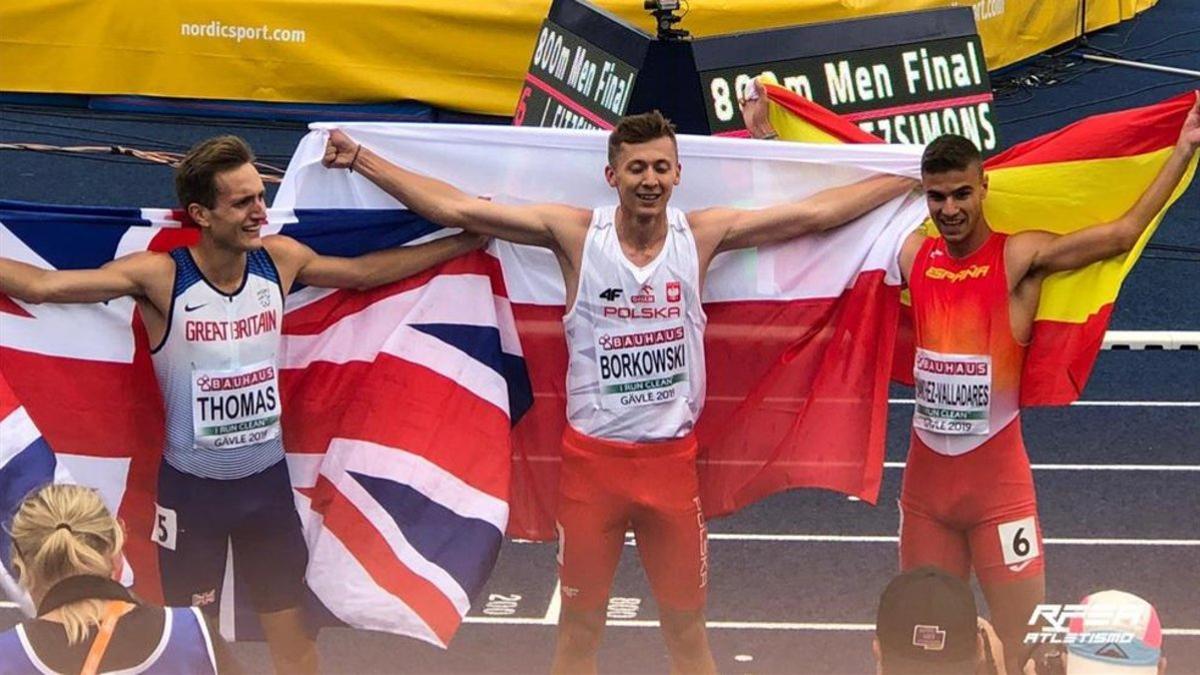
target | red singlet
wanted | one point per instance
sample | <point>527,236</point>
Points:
<point>968,497</point>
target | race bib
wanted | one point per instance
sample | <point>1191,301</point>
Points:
<point>953,392</point>
<point>1019,542</point>
<point>166,527</point>
<point>644,367</point>
<point>233,408</point>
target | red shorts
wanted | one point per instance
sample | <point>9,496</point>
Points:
<point>607,487</point>
<point>978,509</point>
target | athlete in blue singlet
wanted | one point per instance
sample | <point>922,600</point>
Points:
<point>213,313</point>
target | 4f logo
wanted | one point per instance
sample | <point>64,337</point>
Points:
<point>611,294</point>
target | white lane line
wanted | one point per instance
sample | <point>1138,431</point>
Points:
<point>509,620</point>
<point>1097,404</point>
<point>730,625</point>
<point>742,625</point>
<point>555,607</point>
<point>891,539</point>
<point>1092,467</point>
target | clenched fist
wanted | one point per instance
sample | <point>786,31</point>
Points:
<point>340,151</point>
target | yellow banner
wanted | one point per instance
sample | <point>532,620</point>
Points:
<point>468,56</point>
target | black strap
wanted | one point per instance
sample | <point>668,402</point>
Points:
<point>83,587</point>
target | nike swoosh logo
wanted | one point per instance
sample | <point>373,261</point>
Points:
<point>1020,566</point>
<point>189,308</point>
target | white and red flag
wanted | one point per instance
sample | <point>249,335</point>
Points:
<point>799,337</point>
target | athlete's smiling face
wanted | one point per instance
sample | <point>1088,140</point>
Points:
<point>644,175</point>
<point>240,210</point>
<point>955,200</point>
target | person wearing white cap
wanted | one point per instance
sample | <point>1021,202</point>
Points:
<point>1118,634</point>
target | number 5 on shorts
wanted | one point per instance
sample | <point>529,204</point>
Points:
<point>165,527</point>
<point>1019,540</point>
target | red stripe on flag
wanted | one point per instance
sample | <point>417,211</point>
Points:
<point>73,418</point>
<point>797,397</point>
<point>360,536</point>
<point>314,318</point>
<point>169,238</point>
<point>8,399</point>
<point>1119,134</point>
<point>9,306</point>
<point>109,410</point>
<point>820,117</point>
<point>537,438</point>
<point>442,422</point>
<point>1057,376</point>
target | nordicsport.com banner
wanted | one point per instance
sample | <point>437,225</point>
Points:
<point>462,56</point>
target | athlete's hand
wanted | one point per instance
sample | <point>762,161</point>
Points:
<point>340,150</point>
<point>473,241</point>
<point>1189,136</point>
<point>756,111</point>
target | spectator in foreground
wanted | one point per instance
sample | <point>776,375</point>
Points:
<point>928,624</point>
<point>66,552</point>
<point>1119,634</point>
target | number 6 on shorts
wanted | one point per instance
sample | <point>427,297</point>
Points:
<point>1019,540</point>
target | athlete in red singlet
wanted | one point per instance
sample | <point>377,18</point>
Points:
<point>968,499</point>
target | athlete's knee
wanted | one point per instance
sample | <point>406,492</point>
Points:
<point>683,626</point>
<point>579,634</point>
<point>687,641</point>
<point>302,661</point>
<point>1012,605</point>
<point>580,631</point>
<point>293,648</point>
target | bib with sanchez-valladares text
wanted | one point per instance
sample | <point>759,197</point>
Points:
<point>643,367</point>
<point>953,392</point>
<point>235,408</point>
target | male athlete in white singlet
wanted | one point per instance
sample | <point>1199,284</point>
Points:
<point>635,380</point>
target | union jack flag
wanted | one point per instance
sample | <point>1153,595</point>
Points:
<point>398,403</point>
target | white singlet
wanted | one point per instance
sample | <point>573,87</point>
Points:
<point>635,337</point>
<point>218,370</point>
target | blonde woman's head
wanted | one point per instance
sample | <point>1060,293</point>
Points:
<point>61,531</point>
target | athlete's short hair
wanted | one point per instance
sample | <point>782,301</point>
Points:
<point>196,175</point>
<point>950,153</point>
<point>641,128</point>
<point>62,531</point>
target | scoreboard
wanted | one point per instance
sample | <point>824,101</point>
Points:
<point>583,71</point>
<point>906,78</point>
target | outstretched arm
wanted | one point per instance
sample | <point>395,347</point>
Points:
<point>125,276</point>
<point>735,228</point>
<point>725,229</point>
<point>448,206</point>
<point>1048,253</point>
<point>299,263</point>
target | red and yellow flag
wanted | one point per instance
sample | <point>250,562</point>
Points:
<point>1088,172</point>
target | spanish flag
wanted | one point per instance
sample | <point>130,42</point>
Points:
<point>1089,172</point>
